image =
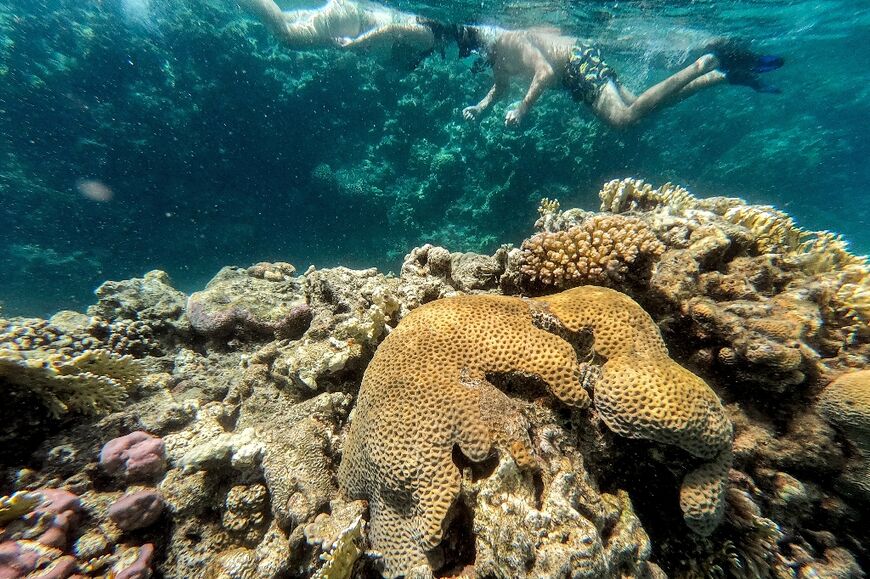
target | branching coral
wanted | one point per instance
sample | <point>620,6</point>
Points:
<point>599,250</point>
<point>339,560</point>
<point>773,230</point>
<point>95,382</point>
<point>619,196</point>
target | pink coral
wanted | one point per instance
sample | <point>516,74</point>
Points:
<point>137,510</point>
<point>137,456</point>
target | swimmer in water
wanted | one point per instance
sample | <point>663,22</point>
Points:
<point>552,60</point>
<point>353,25</point>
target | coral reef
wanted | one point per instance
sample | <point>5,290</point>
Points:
<point>585,434</point>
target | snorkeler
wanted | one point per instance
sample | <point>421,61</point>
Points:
<point>349,24</point>
<point>554,60</point>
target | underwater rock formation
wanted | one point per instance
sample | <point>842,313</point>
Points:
<point>743,322</point>
<point>257,300</point>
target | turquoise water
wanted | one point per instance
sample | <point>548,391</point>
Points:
<point>142,134</point>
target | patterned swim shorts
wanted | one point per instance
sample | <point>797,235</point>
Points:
<point>586,73</point>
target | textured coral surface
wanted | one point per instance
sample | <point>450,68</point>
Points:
<point>470,432</point>
<point>421,395</point>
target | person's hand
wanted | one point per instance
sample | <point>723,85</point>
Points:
<point>514,116</point>
<point>471,113</point>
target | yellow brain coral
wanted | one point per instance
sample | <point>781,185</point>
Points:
<point>426,391</point>
<point>421,395</point>
<point>642,393</point>
<point>845,402</point>
<point>598,250</point>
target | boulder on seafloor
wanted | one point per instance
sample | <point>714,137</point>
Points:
<point>135,456</point>
<point>151,298</point>
<point>248,302</point>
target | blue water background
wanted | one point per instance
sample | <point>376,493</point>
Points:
<point>221,147</point>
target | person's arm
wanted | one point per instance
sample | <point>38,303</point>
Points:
<point>497,91</point>
<point>410,33</point>
<point>533,59</point>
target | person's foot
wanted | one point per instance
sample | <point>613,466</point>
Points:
<point>741,66</point>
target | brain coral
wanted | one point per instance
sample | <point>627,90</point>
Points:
<point>642,393</point>
<point>421,395</point>
<point>425,392</point>
<point>598,250</point>
<point>845,402</point>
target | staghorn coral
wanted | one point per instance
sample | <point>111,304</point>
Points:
<point>600,250</point>
<point>95,382</point>
<point>426,390</point>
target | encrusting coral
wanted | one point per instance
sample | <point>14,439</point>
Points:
<point>426,390</point>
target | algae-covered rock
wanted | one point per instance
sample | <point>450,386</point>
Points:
<point>239,302</point>
<point>150,298</point>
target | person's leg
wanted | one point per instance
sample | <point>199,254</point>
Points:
<point>270,15</point>
<point>617,110</point>
<point>712,78</point>
<point>337,19</point>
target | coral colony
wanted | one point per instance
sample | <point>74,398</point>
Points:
<point>673,386</point>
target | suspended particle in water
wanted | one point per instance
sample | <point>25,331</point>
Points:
<point>95,190</point>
